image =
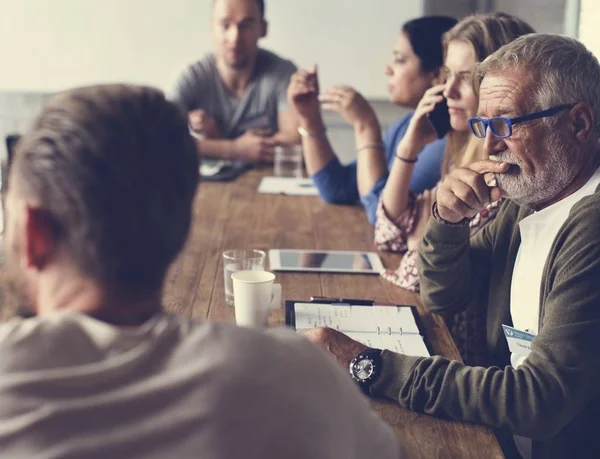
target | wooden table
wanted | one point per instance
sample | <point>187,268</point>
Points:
<point>233,215</point>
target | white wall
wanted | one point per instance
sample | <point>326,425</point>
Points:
<point>49,45</point>
<point>543,15</point>
<point>589,24</point>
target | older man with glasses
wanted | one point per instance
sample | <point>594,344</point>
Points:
<point>535,269</point>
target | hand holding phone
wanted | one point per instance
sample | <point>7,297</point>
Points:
<point>440,118</point>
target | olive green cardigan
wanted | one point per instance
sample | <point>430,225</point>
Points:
<point>554,396</point>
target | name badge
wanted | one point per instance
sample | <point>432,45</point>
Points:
<point>519,341</point>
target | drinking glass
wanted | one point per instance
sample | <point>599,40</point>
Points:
<point>288,161</point>
<point>240,260</point>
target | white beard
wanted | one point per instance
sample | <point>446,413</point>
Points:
<point>554,176</point>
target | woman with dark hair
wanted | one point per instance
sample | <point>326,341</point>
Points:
<point>413,69</point>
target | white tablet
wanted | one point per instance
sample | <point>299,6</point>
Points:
<point>331,261</point>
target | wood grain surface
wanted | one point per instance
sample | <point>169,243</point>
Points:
<point>233,215</point>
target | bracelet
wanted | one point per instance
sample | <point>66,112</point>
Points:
<point>434,211</point>
<point>406,160</point>
<point>376,145</point>
<point>304,133</point>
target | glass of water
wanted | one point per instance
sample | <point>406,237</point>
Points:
<point>240,260</point>
<point>288,161</point>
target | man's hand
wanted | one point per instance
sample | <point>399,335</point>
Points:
<point>467,190</point>
<point>255,146</point>
<point>343,348</point>
<point>303,93</point>
<point>204,124</point>
<point>351,105</point>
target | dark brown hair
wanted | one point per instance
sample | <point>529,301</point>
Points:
<point>261,8</point>
<point>425,37</point>
<point>116,171</point>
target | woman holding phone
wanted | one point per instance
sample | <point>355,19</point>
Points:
<point>402,215</point>
<point>415,67</point>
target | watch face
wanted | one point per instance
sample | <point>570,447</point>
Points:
<point>364,369</point>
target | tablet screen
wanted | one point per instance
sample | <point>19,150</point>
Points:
<point>325,261</point>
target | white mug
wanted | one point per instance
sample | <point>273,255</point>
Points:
<point>255,295</point>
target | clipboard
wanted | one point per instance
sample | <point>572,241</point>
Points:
<point>375,333</point>
<point>290,311</point>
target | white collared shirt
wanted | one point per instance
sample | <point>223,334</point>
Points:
<point>538,232</point>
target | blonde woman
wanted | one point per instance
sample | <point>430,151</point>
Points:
<point>402,215</point>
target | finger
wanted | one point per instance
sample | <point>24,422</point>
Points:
<point>490,179</point>
<point>422,110</point>
<point>301,74</point>
<point>301,90</point>
<point>269,142</point>
<point>261,132</point>
<point>300,77</point>
<point>194,117</point>
<point>476,182</point>
<point>308,85</point>
<point>486,165</point>
<point>329,98</point>
<point>331,107</point>
<point>315,69</point>
<point>431,100</point>
<point>452,203</point>
<point>437,89</point>
<point>467,195</point>
<point>339,91</point>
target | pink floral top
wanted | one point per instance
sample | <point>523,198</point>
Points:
<point>391,236</point>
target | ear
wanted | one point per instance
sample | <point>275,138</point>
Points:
<point>40,238</point>
<point>582,121</point>
<point>264,28</point>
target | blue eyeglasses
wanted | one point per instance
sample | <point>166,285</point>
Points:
<point>501,127</point>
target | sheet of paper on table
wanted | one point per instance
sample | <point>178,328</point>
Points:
<point>289,186</point>
<point>383,327</point>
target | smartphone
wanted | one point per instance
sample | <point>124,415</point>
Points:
<point>440,118</point>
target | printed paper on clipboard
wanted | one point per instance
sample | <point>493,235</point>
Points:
<point>384,327</point>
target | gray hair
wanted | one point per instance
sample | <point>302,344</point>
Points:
<point>564,70</point>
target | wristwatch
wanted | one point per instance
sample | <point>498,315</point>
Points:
<point>365,368</point>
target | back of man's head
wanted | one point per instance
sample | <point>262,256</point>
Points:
<point>115,171</point>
